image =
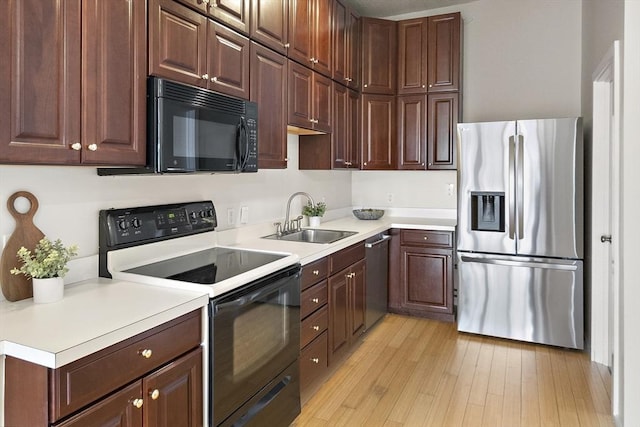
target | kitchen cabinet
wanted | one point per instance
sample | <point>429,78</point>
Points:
<point>310,34</point>
<point>346,119</point>
<point>444,52</point>
<point>270,24</point>
<point>151,379</point>
<point>379,139</point>
<point>412,56</point>
<point>347,304</point>
<point>346,46</point>
<point>412,132</point>
<point>188,47</point>
<point>309,99</point>
<point>74,77</point>
<point>421,275</point>
<point>314,324</point>
<point>379,46</point>
<point>232,13</point>
<point>269,91</point>
<point>443,112</point>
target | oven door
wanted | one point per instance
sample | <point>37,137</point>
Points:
<point>255,337</point>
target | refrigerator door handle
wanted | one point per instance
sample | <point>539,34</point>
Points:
<point>520,187</point>
<point>532,264</point>
<point>512,195</point>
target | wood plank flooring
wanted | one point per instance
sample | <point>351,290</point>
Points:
<point>417,372</point>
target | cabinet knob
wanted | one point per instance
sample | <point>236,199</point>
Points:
<point>137,403</point>
<point>76,146</point>
<point>92,147</point>
<point>286,45</point>
<point>313,60</point>
<point>423,86</point>
<point>214,79</point>
<point>155,394</point>
<point>315,300</point>
<point>204,1</point>
<point>316,328</point>
<point>205,76</point>
<point>146,353</point>
<point>316,272</point>
<point>430,85</point>
<point>426,238</point>
<point>315,360</point>
<point>365,163</point>
<point>430,163</point>
<point>366,85</point>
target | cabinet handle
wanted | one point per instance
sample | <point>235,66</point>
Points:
<point>205,2</point>
<point>155,394</point>
<point>137,403</point>
<point>316,328</point>
<point>205,76</point>
<point>316,272</point>
<point>315,360</point>
<point>92,147</point>
<point>76,146</point>
<point>286,45</point>
<point>214,79</point>
<point>315,300</point>
<point>313,60</point>
<point>146,353</point>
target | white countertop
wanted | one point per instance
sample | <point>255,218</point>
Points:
<point>93,315</point>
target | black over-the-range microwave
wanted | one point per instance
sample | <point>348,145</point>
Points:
<point>190,129</point>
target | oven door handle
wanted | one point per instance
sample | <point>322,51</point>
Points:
<point>247,297</point>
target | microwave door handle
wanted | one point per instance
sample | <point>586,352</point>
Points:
<point>244,137</point>
<point>238,159</point>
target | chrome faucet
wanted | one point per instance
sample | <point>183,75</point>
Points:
<point>286,227</point>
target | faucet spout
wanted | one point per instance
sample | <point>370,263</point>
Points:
<point>286,226</point>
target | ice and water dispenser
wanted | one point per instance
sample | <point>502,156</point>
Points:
<point>487,211</point>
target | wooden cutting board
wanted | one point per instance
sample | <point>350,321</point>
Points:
<point>17,287</point>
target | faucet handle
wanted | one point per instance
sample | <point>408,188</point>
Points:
<point>299,222</point>
<point>278,228</point>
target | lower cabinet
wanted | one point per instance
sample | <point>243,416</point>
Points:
<point>421,280</point>
<point>151,379</point>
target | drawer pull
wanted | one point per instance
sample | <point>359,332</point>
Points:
<point>155,394</point>
<point>315,360</point>
<point>137,403</point>
<point>316,272</point>
<point>315,300</point>
<point>146,353</point>
<point>316,328</point>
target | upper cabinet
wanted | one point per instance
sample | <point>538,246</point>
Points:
<point>232,13</point>
<point>74,77</point>
<point>444,52</point>
<point>412,56</point>
<point>270,24</point>
<point>186,46</point>
<point>309,99</point>
<point>310,34</point>
<point>346,46</point>
<point>379,56</point>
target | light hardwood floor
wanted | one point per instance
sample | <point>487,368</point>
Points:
<point>417,372</point>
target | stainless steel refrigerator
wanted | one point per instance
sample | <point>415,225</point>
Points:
<point>520,230</point>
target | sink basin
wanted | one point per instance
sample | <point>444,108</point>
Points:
<point>313,235</point>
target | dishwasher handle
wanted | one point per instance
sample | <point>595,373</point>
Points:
<point>383,238</point>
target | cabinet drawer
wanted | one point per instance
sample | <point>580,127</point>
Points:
<point>313,361</point>
<point>85,380</point>
<point>344,258</point>
<point>427,238</point>
<point>313,298</point>
<point>312,273</point>
<point>313,326</point>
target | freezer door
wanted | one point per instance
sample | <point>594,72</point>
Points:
<point>535,300</point>
<point>549,164</point>
<point>486,166</point>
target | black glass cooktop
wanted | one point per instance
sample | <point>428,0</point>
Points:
<point>207,267</point>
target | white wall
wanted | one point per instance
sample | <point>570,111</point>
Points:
<point>70,197</point>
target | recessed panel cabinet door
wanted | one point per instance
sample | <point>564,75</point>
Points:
<point>444,52</point>
<point>378,132</point>
<point>114,43</point>
<point>412,132</point>
<point>379,56</point>
<point>357,299</point>
<point>40,81</point>
<point>228,61</point>
<point>270,23</point>
<point>441,131</point>
<point>234,13</point>
<point>339,331</point>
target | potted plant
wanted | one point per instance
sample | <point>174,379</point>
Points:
<point>314,212</point>
<point>46,266</point>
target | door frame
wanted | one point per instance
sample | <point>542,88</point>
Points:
<point>605,301</point>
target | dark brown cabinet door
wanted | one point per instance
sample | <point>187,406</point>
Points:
<point>345,129</point>
<point>412,56</point>
<point>427,279</point>
<point>340,39</point>
<point>300,80</point>
<point>444,52</point>
<point>322,90</point>
<point>270,23</point>
<point>40,47</point>
<point>310,34</point>
<point>353,50</point>
<point>441,128</point>
<point>114,82</point>
<point>322,38</point>
<point>117,410</point>
<point>173,394</point>
<point>357,303</point>
<point>228,61</point>
<point>379,145</point>
<point>339,329</point>
<point>412,132</point>
<point>353,130</point>
<point>269,90</point>
<point>233,13</point>
<point>379,56</point>
<point>177,43</point>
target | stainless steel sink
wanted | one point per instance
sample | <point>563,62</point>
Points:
<point>313,235</point>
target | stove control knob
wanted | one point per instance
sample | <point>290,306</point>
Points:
<point>210,213</point>
<point>136,223</point>
<point>193,215</point>
<point>203,214</point>
<point>122,224</point>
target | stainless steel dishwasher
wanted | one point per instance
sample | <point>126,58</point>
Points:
<point>377,267</point>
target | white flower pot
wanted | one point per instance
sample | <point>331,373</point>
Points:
<point>48,290</point>
<point>314,221</point>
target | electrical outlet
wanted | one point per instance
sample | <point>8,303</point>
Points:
<point>244,214</point>
<point>451,189</point>
<point>390,197</point>
<point>231,216</point>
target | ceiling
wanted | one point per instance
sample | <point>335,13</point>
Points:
<point>384,8</point>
